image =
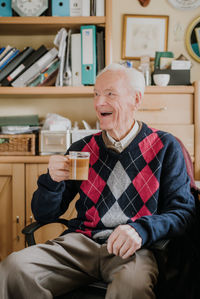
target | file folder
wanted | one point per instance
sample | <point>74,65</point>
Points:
<point>60,8</point>
<point>31,59</point>
<point>85,8</point>
<point>88,54</point>
<point>22,80</point>
<point>100,8</point>
<point>5,8</point>
<point>76,58</point>
<point>75,8</point>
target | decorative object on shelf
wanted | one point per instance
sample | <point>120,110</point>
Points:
<point>144,3</point>
<point>185,4</point>
<point>5,8</point>
<point>193,39</point>
<point>144,35</point>
<point>29,8</point>
<point>161,79</point>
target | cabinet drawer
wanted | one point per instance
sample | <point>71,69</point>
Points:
<point>166,109</point>
<point>184,132</point>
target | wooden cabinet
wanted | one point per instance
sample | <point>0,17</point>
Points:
<point>175,109</point>
<point>12,207</point>
<point>18,181</point>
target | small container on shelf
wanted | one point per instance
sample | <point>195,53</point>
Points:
<point>17,144</point>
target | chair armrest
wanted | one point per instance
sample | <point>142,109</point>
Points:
<point>30,229</point>
<point>160,245</point>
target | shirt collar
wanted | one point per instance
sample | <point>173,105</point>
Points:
<point>130,136</point>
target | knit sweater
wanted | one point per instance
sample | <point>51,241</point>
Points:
<point>145,186</point>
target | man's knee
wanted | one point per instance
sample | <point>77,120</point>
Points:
<point>13,265</point>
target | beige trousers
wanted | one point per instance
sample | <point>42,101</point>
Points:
<point>59,266</point>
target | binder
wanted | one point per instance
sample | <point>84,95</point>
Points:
<point>85,8</point>
<point>35,68</point>
<point>93,7</point>
<point>5,8</point>
<point>60,8</point>
<point>75,8</point>
<point>88,54</point>
<point>76,58</point>
<point>8,58</point>
<point>15,62</point>
<point>100,8</point>
<point>32,58</point>
<point>100,50</point>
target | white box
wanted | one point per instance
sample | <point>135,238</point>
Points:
<point>54,142</point>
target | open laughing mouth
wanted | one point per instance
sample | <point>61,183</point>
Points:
<point>104,114</point>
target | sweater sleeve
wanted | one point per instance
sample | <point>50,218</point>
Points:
<point>51,199</point>
<point>176,206</point>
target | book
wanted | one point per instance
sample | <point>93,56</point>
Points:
<point>41,63</point>
<point>32,58</point>
<point>45,73</point>
<point>10,56</point>
<point>15,62</point>
<point>6,49</point>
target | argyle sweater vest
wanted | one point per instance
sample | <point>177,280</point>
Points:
<point>146,186</point>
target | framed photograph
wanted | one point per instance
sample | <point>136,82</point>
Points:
<point>143,35</point>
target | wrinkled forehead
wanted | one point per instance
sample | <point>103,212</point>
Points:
<point>112,80</point>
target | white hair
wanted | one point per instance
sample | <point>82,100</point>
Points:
<point>135,78</point>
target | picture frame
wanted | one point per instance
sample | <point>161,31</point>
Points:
<point>143,35</point>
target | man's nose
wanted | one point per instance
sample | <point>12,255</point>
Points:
<point>100,100</point>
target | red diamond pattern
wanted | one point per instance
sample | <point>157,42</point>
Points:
<point>93,148</point>
<point>93,190</point>
<point>92,216</point>
<point>144,211</point>
<point>146,183</point>
<point>150,147</point>
<point>86,232</point>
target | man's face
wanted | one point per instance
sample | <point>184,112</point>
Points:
<point>114,102</point>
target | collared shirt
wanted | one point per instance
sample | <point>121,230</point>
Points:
<point>122,144</point>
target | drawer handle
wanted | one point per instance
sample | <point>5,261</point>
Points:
<point>153,109</point>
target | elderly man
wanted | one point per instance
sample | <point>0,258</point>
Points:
<point>137,193</point>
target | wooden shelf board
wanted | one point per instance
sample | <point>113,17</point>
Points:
<point>24,159</point>
<point>83,91</point>
<point>50,91</point>
<point>44,25</point>
<point>170,89</point>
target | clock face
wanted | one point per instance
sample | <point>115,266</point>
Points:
<point>29,7</point>
<point>185,4</point>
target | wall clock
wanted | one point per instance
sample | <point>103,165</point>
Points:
<point>29,7</point>
<point>185,4</point>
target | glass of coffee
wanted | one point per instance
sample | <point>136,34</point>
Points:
<point>79,165</point>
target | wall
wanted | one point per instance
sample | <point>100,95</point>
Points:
<point>177,19</point>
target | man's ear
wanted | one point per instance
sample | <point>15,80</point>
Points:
<point>138,99</point>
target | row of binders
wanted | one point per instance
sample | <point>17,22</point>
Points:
<point>75,60</point>
<point>78,8</point>
<point>60,8</point>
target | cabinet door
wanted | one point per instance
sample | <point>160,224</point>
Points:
<point>12,208</point>
<point>33,171</point>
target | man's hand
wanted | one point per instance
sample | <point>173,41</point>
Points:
<point>59,168</point>
<point>124,241</point>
